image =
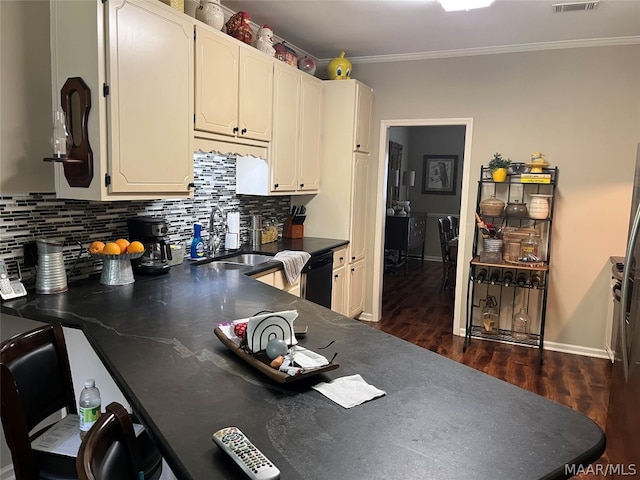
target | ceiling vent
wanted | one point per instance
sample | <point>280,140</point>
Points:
<point>575,6</point>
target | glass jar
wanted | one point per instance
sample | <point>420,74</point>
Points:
<point>490,320</point>
<point>520,325</point>
<point>529,249</point>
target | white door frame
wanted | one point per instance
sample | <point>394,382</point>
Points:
<point>381,211</point>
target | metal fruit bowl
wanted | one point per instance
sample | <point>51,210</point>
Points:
<point>113,256</point>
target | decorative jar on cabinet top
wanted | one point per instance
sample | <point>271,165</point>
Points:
<point>539,208</point>
<point>210,13</point>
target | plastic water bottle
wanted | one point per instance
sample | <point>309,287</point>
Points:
<point>89,406</point>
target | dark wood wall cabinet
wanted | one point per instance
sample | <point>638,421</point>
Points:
<point>404,233</point>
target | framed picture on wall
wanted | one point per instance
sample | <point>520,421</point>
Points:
<point>439,174</point>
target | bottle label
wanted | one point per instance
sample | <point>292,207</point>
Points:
<point>88,416</point>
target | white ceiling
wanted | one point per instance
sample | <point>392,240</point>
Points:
<point>376,30</point>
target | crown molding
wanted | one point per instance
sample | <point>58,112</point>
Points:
<point>468,52</point>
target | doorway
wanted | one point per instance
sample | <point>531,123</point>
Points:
<point>394,130</point>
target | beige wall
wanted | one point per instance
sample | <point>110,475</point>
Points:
<point>579,106</point>
<point>25,96</point>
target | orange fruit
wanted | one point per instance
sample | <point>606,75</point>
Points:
<point>111,248</point>
<point>123,244</point>
<point>135,247</point>
<point>96,247</point>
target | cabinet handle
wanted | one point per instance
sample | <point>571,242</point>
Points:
<point>244,130</point>
<point>357,145</point>
<point>192,185</point>
<point>353,269</point>
<point>353,258</point>
<point>276,185</point>
<point>235,129</point>
<point>342,259</point>
<point>302,185</point>
<point>336,276</point>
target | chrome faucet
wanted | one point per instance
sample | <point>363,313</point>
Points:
<point>215,235</point>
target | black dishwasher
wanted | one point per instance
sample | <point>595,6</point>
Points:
<point>316,281</point>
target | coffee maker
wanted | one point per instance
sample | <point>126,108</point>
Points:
<point>152,232</point>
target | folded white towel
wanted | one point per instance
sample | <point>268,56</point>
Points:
<point>293,262</point>
<point>349,391</point>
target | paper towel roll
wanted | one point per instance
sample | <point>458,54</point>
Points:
<point>233,222</point>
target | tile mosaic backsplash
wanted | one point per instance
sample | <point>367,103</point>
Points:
<point>41,215</point>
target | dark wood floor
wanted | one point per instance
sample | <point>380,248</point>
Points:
<point>414,309</point>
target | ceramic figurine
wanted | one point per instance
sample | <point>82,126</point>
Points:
<point>238,26</point>
<point>264,40</point>
<point>339,68</point>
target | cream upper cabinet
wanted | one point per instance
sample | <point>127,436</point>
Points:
<point>364,100</point>
<point>339,210</point>
<point>136,57</point>
<point>234,85</point>
<point>293,166</point>
<point>286,129</point>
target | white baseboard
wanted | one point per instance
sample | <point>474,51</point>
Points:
<point>564,348</point>
<point>6,473</point>
<point>366,316</point>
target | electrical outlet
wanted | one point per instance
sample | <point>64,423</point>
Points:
<point>30,250</point>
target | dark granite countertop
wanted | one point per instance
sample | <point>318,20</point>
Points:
<point>439,419</point>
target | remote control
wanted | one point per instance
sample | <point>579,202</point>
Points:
<point>252,461</point>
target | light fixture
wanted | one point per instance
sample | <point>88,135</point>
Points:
<point>408,180</point>
<point>456,5</point>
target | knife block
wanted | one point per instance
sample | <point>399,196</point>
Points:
<point>292,231</point>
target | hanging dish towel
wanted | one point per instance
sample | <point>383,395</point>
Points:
<point>293,262</point>
<point>349,391</point>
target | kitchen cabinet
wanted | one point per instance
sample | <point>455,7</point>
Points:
<point>293,166</point>
<point>137,59</point>
<point>356,281</point>
<point>339,210</point>
<point>502,284</point>
<point>339,287</point>
<point>278,279</point>
<point>234,87</point>
<point>297,121</point>
<point>364,100</point>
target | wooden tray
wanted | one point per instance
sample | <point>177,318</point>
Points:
<point>261,362</point>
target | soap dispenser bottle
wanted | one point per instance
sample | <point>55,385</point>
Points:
<point>197,245</point>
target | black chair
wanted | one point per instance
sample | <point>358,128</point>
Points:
<point>445,233</point>
<point>36,383</point>
<point>454,223</point>
<point>109,450</point>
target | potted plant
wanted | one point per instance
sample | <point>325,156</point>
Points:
<point>498,167</point>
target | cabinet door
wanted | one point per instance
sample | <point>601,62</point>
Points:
<point>364,98</point>
<point>357,278</point>
<point>256,94</point>
<point>359,194</point>
<point>338,291</point>
<point>310,136</point>
<point>217,69</point>
<point>150,104</point>
<point>284,148</point>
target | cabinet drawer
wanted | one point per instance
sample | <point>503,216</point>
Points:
<point>339,258</point>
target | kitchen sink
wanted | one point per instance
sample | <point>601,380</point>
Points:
<point>247,259</point>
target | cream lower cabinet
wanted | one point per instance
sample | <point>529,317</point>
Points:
<point>278,279</point>
<point>356,280</point>
<point>293,166</point>
<point>339,292</point>
<point>136,57</point>
<point>234,87</point>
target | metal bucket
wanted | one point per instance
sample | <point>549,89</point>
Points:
<point>51,275</point>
